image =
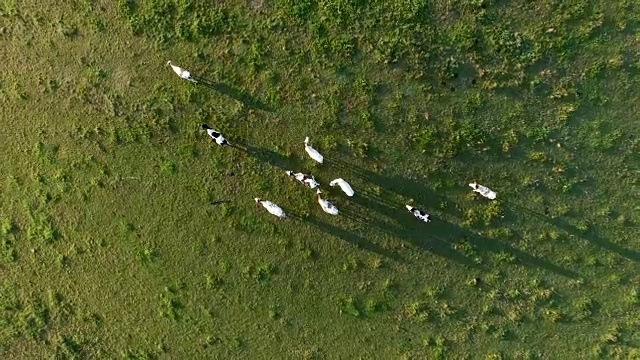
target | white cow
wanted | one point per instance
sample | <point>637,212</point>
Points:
<point>315,155</point>
<point>271,207</point>
<point>328,207</point>
<point>343,185</point>
<point>483,190</point>
<point>182,72</point>
<point>308,180</point>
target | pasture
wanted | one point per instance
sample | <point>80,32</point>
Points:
<point>125,233</point>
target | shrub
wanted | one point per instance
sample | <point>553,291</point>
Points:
<point>358,147</point>
<point>583,308</point>
<point>425,138</point>
<point>42,229</point>
<point>169,167</point>
<point>7,226</point>
<point>169,306</point>
<point>148,254</point>
<point>372,306</point>
<point>465,248</point>
<point>33,320</point>
<point>329,142</point>
<point>68,347</point>
<point>351,265</point>
<point>492,212</point>
<point>612,336</point>
<point>510,140</point>
<point>537,156</point>
<point>166,21</point>
<point>264,273</point>
<point>553,315</point>
<point>351,307</point>
<point>446,310</point>
<point>633,297</point>
<point>504,257</point>
<point>417,310</point>
<point>470,216</point>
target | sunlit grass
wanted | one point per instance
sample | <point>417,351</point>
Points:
<point>124,232</point>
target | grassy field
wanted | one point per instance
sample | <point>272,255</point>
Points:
<point>113,244</point>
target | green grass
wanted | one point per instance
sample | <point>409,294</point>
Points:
<point>126,234</point>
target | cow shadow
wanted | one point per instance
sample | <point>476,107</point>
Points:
<point>268,156</point>
<point>440,235</point>
<point>409,189</point>
<point>590,235</point>
<point>593,237</point>
<point>236,94</point>
<point>494,246</point>
<point>352,238</point>
<point>401,224</point>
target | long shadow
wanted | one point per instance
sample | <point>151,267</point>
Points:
<point>407,228</point>
<point>594,238</point>
<point>235,93</point>
<point>424,235</point>
<point>451,233</point>
<point>354,239</point>
<point>436,237</point>
<point>591,235</point>
<point>421,195</point>
<point>268,156</point>
<point>495,246</point>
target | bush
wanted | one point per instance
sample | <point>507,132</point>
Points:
<point>42,230</point>
<point>351,307</point>
<point>425,138</point>
<point>170,307</point>
<point>537,156</point>
<point>172,20</point>
<point>7,226</point>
